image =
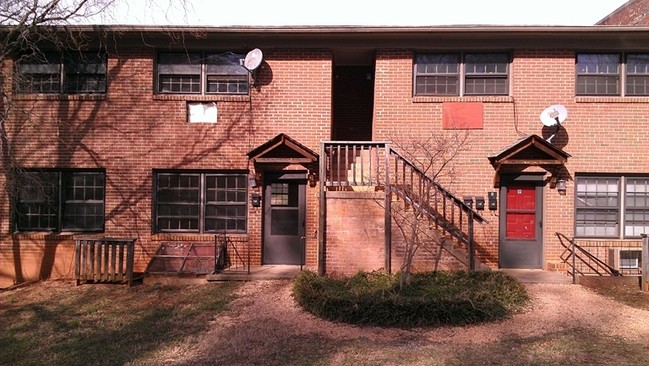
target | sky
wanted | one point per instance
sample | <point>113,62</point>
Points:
<point>360,12</point>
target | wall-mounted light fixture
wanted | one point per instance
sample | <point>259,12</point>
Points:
<point>562,186</point>
<point>255,200</point>
<point>312,178</point>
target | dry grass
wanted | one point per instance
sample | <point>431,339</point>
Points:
<point>626,293</point>
<point>258,323</point>
<point>57,323</point>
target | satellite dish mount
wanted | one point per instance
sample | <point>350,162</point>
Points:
<point>252,62</point>
<point>554,115</point>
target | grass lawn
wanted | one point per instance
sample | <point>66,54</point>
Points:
<point>57,323</point>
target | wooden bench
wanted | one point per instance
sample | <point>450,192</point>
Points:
<point>104,260</point>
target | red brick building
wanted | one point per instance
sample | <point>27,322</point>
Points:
<point>631,13</point>
<point>172,136</point>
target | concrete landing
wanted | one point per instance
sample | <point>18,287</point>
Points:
<point>538,276</point>
<point>265,272</point>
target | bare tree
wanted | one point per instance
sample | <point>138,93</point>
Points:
<point>433,162</point>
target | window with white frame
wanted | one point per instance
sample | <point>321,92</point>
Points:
<point>456,74</point>
<point>612,74</point>
<point>200,202</point>
<point>605,204</point>
<point>201,73</point>
<point>72,73</point>
<point>65,200</point>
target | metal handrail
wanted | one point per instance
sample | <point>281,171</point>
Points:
<point>576,252</point>
<point>226,241</point>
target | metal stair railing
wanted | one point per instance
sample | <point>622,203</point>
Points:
<point>573,253</point>
<point>230,258</point>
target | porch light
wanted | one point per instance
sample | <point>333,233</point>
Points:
<point>312,179</point>
<point>562,186</point>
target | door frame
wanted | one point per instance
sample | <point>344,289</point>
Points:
<point>538,182</point>
<point>299,177</point>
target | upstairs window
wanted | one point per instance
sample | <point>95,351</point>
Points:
<point>457,74</point>
<point>201,73</point>
<point>73,73</point>
<point>612,207</point>
<point>200,202</point>
<point>61,201</point>
<point>612,74</point>
<point>637,74</point>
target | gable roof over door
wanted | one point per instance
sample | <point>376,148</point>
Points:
<point>282,149</point>
<point>532,150</point>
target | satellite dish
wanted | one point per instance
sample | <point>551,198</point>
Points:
<point>253,59</point>
<point>554,115</point>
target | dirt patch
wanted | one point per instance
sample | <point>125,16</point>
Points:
<point>265,326</point>
<point>564,324</point>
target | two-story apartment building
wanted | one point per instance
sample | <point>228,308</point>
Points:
<point>175,135</point>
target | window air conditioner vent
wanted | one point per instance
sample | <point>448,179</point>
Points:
<point>625,258</point>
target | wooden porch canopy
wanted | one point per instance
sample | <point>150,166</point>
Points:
<point>282,149</point>
<point>532,150</point>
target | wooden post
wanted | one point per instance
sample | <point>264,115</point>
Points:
<point>322,224</point>
<point>471,247</point>
<point>645,263</point>
<point>388,212</point>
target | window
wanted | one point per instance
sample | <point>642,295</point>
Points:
<point>606,74</point>
<point>201,202</point>
<point>70,73</point>
<point>198,73</point>
<point>599,203</point>
<point>455,74</point>
<point>637,74</point>
<point>61,201</point>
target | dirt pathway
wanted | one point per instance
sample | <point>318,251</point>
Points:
<point>265,326</point>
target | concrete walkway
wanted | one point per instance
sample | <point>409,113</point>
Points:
<point>269,272</point>
<point>538,276</point>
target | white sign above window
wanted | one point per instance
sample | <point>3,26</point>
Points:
<point>201,112</point>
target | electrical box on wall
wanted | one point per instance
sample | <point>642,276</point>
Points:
<point>479,203</point>
<point>493,200</point>
<point>468,200</point>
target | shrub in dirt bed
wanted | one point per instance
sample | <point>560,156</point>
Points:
<point>432,298</point>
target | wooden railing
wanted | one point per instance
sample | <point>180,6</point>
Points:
<point>104,260</point>
<point>346,165</point>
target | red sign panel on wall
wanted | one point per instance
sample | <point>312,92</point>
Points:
<point>521,212</point>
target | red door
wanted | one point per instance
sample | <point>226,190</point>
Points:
<point>521,245</point>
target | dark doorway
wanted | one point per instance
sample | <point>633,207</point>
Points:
<point>521,232</point>
<point>353,103</point>
<point>284,218</point>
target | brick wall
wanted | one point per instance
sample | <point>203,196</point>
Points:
<point>130,131</point>
<point>602,135</point>
<point>356,237</point>
<point>355,233</point>
<point>632,13</point>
